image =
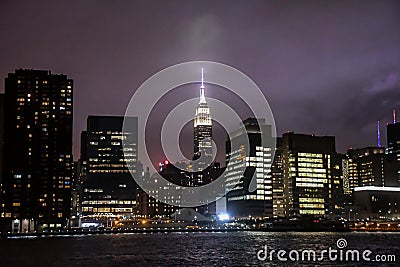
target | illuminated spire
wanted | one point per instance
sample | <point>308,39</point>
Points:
<point>379,134</point>
<point>202,78</point>
<point>394,116</point>
<point>202,97</point>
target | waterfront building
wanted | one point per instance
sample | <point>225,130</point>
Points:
<point>368,166</point>
<point>37,171</point>
<point>109,190</point>
<point>245,200</point>
<point>310,187</point>
<point>393,145</point>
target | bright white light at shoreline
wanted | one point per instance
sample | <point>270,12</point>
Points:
<point>223,217</point>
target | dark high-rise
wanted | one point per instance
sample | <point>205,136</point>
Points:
<point>109,190</point>
<point>38,144</point>
<point>368,166</point>
<point>247,197</point>
<point>393,145</point>
<point>311,184</point>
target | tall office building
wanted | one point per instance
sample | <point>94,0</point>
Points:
<point>109,190</point>
<point>368,166</point>
<point>244,200</point>
<point>202,133</point>
<point>309,183</point>
<point>393,145</point>
<point>375,168</point>
<point>38,144</point>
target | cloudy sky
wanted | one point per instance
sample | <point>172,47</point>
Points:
<point>326,67</point>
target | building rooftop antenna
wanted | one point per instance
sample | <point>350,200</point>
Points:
<point>394,116</point>
<point>379,133</point>
<point>202,96</point>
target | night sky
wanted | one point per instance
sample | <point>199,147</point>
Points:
<point>326,67</point>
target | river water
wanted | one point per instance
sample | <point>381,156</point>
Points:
<point>193,249</point>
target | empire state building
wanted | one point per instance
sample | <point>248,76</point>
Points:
<point>202,131</point>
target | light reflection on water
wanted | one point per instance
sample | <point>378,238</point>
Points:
<point>181,249</point>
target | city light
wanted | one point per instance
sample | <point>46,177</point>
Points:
<point>223,217</point>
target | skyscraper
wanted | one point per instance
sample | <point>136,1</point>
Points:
<point>369,166</point>
<point>202,132</point>
<point>38,144</point>
<point>109,190</point>
<point>309,181</point>
<point>393,144</point>
<point>243,200</point>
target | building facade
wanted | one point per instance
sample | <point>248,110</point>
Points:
<point>369,166</point>
<point>203,153</point>
<point>252,192</point>
<point>393,146</point>
<point>37,171</point>
<point>309,183</point>
<point>108,189</point>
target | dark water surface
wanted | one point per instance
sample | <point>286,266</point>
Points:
<point>187,249</point>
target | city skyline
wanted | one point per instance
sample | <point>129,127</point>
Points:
<point>336,80</point>
<point>199,133</point>
<point>37,104</point>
